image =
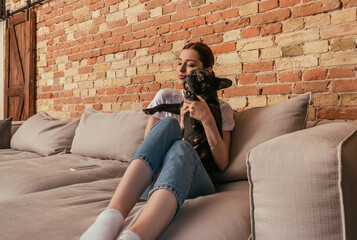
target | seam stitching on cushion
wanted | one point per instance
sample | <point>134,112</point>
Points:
<point>339,153</point>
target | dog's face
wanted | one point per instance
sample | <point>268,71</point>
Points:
<point>203,83</point>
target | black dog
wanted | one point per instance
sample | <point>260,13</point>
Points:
<point>204,84</point>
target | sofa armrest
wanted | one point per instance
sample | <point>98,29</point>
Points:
<point>15,125</point>
<point>303,185</point>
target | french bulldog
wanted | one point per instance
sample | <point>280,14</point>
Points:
<point>206,85</point>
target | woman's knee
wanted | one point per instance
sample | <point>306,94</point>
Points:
<point>182,155</point>
<point>170,123</point>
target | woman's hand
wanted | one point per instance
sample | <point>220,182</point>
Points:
<point>198,110</point>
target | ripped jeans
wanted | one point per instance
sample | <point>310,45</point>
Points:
<point>174,163</point>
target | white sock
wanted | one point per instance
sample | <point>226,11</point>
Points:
<point>106,227</point>
<point>128,235</point>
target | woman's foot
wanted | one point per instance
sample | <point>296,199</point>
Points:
<point>106,227</point>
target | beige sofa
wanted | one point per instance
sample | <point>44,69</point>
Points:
<point>283,182</point>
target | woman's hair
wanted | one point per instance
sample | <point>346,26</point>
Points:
<point>204,51</point>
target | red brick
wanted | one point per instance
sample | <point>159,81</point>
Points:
<point>184,14</point>
<point>230,25</point>
<point>214,17</point>
<point>258,66</point>
<point>224,47</point>
<point>219,5</point>
<point>143,79</point>
<point>231,13</point>
<point>85,70</point>
<point>177,26</point>
<point>315,7</point>
<point>106,99</point>
<point>177,36</point>
<point>144,16</point>
<point>344,85</point>
<point>266,78</point>
<point>270,17</point>
<point>58,74</point>
<point>194,22</point>
<point>303,87</point>
<point>151,32</point>
<point>276,89</point>
<point>273,28</point>
<point>109,50</point>
<point>154,87</point>
<point>76,57</point>
<point>122,30</point>
<point>201,31</point>
<point>74,100</point>
<point>183,5</point>
<point>250,32</point>
<point>156,3</point>
<point>162,20</point>
<point>268,5</point>
<point>129,46</point>
<point>349,3</point>
<point>58,108</point>
<point>163,29</point>
<point>338,113</point>
<point>241,91</point>
<point>90,100</point>
<point>120,90</point>
<point>111,2</point>
<point>342,72</point>
<point>128,98</point>
<point>100,91</point>
<point>293,76</point>
<point>245,79</point>
<point>213,39</point>
<point>314,74</point>
<point>148,42</point>
<point>147,96</point>
<point>110,91</point>
<point>98,107</point>
<point>169,8</point>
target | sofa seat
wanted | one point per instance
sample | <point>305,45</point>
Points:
<point>65,212</point>
<point>12,154</point>
<point>28,175</point>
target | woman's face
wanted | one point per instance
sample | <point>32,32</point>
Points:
<point>189,60</point>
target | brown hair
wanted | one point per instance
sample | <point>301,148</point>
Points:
<point>206,54</point>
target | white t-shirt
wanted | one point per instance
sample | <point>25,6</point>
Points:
<point>169,95</point>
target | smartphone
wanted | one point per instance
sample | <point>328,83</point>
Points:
<point>84,167</point>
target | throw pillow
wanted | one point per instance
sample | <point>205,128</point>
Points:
<point>5,133</point>
<point>303,184</point>
<point>109,135</point>
<point>257,125</point>
<point>44,135</point>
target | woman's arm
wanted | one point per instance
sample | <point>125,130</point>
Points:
<point>151,122</point>
<point>220,146</point>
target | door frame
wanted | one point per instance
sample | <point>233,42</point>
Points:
<point>2,67</point>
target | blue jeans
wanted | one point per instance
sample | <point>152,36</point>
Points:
<point>174,163</point>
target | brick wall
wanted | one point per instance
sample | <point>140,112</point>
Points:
<point>114,55</point>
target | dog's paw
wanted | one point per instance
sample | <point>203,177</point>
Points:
<point>149,111</point>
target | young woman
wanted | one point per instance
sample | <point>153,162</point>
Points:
<point>164,165</point>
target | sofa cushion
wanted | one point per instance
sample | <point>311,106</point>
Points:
<point>44,135</point>
<point>109,135</point>
<point>257,125</point>
<point>5,133</point>
<point>303,185</point>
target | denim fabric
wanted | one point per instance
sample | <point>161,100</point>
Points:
<point>174,163</point>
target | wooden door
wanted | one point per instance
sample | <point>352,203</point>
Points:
<point>19,102</point>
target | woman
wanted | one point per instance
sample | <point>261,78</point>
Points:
<point>170,165</point>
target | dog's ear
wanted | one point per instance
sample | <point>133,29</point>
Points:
<point>222,83</point>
